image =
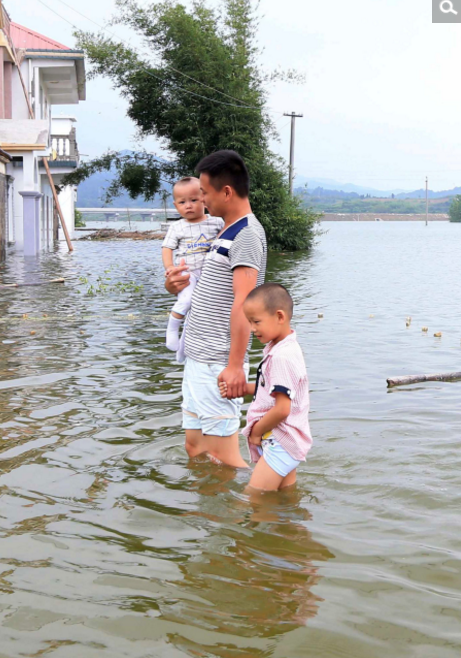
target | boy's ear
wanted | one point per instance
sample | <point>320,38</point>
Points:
<point>281,316</point>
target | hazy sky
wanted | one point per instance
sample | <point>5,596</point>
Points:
<point>381,100</point>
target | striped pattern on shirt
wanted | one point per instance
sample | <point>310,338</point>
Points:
<point>242,244</point>
<point>283,370</point>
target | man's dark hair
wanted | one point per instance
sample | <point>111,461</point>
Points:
<point>226,168</point>
<point>274,296</point>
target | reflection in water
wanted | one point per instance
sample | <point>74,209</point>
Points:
<point>255,572</point>
<point>112,544</point>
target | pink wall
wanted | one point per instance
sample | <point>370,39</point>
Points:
<point>8,89</point>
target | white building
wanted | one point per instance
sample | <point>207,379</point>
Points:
<point>36,74</point>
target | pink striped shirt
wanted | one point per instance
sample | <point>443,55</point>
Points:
<point>283,370</point>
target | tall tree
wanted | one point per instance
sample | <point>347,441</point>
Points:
<point>454,211</point>
<point>199,89</point>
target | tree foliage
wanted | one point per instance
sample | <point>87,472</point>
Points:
<point>454,211</point>
<point>198,88</point>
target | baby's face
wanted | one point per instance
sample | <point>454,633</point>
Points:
<point>188,200</point>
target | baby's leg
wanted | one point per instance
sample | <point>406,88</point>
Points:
<point>180,356</point>
<point>178,312</point>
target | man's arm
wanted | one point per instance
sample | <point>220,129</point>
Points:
<point>244,281</point>
<point>177,278</point>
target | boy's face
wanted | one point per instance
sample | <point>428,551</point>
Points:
<point>188,200</point>
<point>265,326</point>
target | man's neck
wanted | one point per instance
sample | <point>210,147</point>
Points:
<point>238,211</point>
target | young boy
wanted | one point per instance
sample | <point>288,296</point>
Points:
<point>277,421</point>
<point>191,237</point>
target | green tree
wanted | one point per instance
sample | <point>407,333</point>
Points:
<point>199,89</point>
<point>454,211</point>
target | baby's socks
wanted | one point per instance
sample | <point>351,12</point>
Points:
<point>172,333</point>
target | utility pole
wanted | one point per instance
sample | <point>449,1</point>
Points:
<point>291,170</point>
<point>427,202</point>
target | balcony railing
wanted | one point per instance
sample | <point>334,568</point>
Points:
<point>5,22</point>
<point>64,148</point>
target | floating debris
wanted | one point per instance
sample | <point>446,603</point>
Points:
<point>320,316</point>
<point>438,334</point>
<point>371,316</point>
<point>32,333</point>
<point>425,329</point>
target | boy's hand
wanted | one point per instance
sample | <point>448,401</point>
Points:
<point>223,389</point>
<point>254,439</point>
<point>168,270</point>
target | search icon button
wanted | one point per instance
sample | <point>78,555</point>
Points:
<point>446,7</point>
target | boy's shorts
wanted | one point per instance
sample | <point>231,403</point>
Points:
<point>203,407</point>
<point>276,457</point>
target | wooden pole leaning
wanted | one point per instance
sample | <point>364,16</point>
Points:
<point>37,283</point>
<point>418,379</point>
<point>57,204</point>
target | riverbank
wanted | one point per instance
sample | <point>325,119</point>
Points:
<point>383,217</point>
<point>120,234</point>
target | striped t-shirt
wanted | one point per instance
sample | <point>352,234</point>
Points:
<point>242,244</point>
<point>192,240</point>
<point>283,371</point>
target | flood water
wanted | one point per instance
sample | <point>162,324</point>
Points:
<point>113,545</point>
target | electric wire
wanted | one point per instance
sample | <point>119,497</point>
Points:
<point>146,70</point>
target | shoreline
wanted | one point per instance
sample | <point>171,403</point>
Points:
<point>383,217</point>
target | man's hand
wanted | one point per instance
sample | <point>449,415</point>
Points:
<point>177,278</point>
<point>235,380</point>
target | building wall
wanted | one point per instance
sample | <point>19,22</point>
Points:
<point>3,212</point>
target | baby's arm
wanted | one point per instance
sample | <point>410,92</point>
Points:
<point>167,258</point>
<point>274,417</point>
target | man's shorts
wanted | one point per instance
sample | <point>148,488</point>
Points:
<point>203,407</point>
<point>276,457</point>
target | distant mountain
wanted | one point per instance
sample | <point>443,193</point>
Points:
<point>421,194</point>
<point>329,184</point>
<point>91,193</point>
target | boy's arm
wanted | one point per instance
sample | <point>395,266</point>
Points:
<point>250,389</point>
<point>274,417</point>
<point>244,281</point>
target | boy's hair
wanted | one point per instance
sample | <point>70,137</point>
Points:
<point>226,168</point>
<point>274,296</point>
<point>186,179</point>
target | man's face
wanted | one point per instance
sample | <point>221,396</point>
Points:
<point>214,199</point>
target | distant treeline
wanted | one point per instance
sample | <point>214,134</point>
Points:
<point>337,201</point>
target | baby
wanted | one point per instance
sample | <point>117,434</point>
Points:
<point>277,426</point>
<point>191,237</point>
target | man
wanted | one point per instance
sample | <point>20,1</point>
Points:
<point>217,331</point>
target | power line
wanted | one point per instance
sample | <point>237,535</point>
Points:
<point>146,70</point>
<point>168,66</point>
